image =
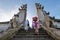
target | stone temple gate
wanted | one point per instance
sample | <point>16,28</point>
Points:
<point>20,17</point>
<point>16,24</point>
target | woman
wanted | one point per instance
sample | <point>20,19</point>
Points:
<point>36,27</point>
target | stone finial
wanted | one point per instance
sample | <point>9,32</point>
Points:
<point>19,9</point>
<point>42,7</point>
<point>24,6</point>
<point>53,17</point>
<point>38,5</point>
<point>48,13</point>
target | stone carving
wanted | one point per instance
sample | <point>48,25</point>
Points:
<point>39,6</point>
<point>39,9</point>
<point>21,15</point>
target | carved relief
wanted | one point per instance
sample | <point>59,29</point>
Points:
<point>40,14</point>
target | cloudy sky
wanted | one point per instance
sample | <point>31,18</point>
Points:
<point>10,7</point>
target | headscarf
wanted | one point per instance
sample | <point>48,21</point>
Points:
<point>35,18</point>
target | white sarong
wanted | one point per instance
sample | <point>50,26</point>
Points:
<point>26,25</point>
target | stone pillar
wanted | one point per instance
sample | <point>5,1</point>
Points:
<point>23,11</point>
<point>11,23</point>
<point>47,19</point>
<point>22,14</point>
<point>20,17</point>
<point>39,12</point>
<point>14,22</point>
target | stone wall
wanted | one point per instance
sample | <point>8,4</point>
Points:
<point>4,26</point>
<point>56,24</point>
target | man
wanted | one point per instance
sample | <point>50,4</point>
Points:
<point>26,27</point>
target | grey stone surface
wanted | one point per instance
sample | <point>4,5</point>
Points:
<point>30,35</point>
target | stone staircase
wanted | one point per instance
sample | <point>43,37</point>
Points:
<point>30,35</point>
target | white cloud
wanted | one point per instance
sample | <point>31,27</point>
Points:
<point>7,15</point>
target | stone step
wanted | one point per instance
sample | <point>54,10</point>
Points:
<point>31,36</point>
<point>30,33</point>
<point>32,30</point>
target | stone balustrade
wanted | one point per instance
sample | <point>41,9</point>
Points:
<point>10,33</point>
<point>55,33</point>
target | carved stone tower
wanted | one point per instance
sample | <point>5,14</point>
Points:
<point>40,14</point>
<point>22,13</point>
<point>20,17</point>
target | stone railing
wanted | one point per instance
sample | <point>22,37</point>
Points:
<point>52,32</point>
<point>10,33</point>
